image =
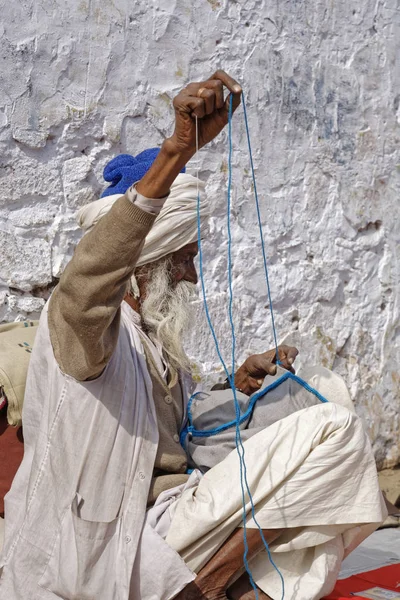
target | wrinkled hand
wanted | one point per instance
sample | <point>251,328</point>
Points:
<point>205,100</point>
<point>250,376</point>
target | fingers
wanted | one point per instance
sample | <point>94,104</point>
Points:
<point>228,81</point>
<point>196,99</point>
<point>252,385</point>
<point>269,368</point>
<point>260,365</point>
<point>292,354</point>
<point>217,87</point>
<point>289,353</point>
<point>248,384</point>
<point>287,356</point>
<point>203,98</point>
<point>208,96</point>
<point>233,86</point>
<point>236,99</point>
<point>185,103</point>
<point>217,81</point>
<point>250,375</point>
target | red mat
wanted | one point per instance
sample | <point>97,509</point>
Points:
<point>386,578</point>
<point>11,453</point>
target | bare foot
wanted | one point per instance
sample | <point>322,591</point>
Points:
<point>243,590</point>
<point>193,592</point>
<point>225,566</point>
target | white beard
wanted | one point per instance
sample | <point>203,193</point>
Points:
<point>166,312</point>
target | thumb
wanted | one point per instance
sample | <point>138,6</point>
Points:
<point>236,100</point>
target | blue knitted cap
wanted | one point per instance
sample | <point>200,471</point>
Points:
<point>124,170</point>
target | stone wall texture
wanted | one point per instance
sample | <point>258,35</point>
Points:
<point>85,80</point>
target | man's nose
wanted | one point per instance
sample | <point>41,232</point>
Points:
<point>191,275</point>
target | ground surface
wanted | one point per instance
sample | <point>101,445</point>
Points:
<point>389,480</point>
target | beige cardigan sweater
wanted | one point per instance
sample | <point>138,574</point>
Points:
<point>84,320</point>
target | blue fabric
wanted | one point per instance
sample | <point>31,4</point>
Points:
<point>124,170</point>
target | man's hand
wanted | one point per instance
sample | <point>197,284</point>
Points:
<point>204,100</point>
<point>250,376</point>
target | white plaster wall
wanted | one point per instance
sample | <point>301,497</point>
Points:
<point>85,80</point>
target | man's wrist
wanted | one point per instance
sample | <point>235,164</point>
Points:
<point>163,172</point>
<point>172,149</point>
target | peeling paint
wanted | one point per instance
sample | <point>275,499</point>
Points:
<point>323,106</point>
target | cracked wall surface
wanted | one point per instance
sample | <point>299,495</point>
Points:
<point>85,80</point>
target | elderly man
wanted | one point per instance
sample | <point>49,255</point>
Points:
<point>102,506</point>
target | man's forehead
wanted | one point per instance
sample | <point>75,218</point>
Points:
<point>191,248</point>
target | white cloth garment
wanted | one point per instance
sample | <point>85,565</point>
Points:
<point>75,515</point>
<point>328,384</point>
<point>311,474</point>
<point>175,225</point>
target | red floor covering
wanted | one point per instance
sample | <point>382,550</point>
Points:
<point>11,453</point>
<point>387,578</point>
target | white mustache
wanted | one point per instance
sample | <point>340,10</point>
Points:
<point>166,312</point>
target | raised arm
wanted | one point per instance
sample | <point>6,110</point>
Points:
<point>84,310</point>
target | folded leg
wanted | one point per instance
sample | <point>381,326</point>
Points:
<point>312,474</point>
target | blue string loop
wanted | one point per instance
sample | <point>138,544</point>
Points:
<point>244,485</point>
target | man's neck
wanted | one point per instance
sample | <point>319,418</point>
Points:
<point>133,302</point>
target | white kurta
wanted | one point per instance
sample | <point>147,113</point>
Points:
<point>75,513</point>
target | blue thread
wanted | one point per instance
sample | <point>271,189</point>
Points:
<point>186,429</point>
<point>249,411</point>
<point>229,376</point>
<point>239,443</point>
<point>238,439</point>
<point>261,231</point>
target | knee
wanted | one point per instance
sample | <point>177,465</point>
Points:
<point>329,384</point>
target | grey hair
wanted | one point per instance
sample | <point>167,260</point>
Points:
<point>166,311</point>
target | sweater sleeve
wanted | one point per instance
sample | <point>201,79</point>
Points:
<point>84,309</point>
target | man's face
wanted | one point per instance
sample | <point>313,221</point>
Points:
<point>182,264</point>
<point>166,290</point>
